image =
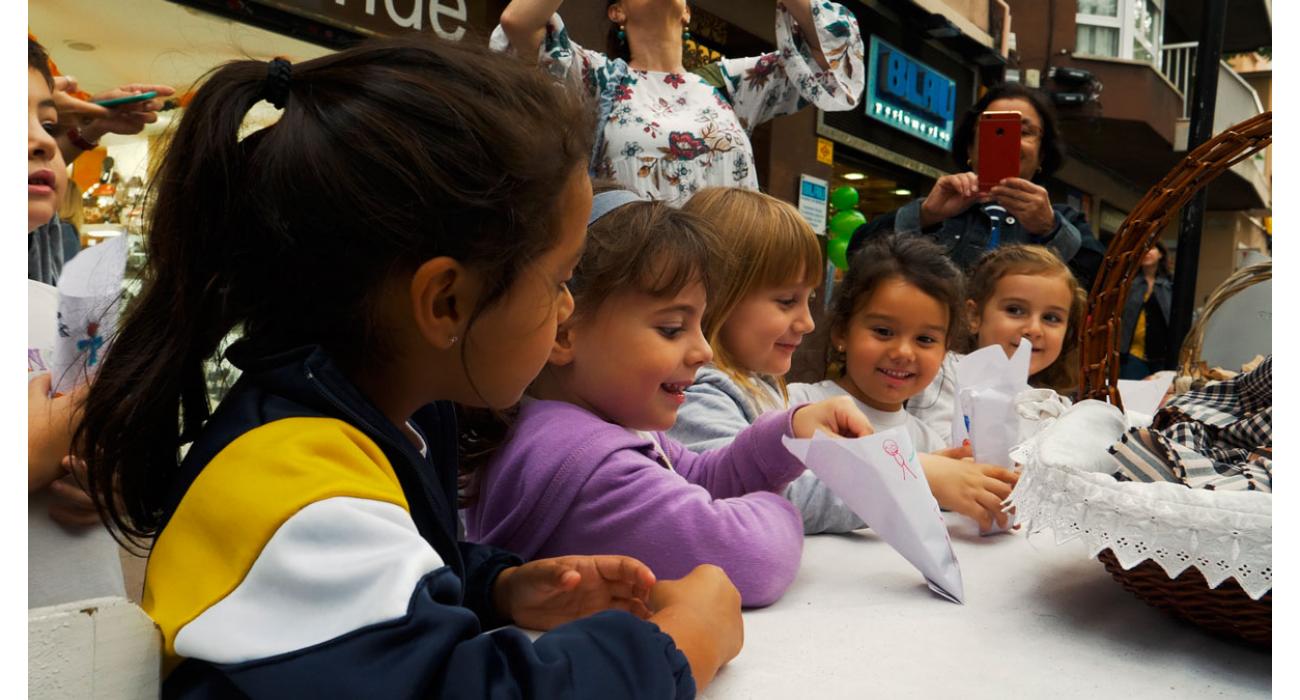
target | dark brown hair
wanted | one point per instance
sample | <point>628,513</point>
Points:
<point>1052,147</point>
<point>1024,259</point>
<point>914,259</point>
<point>386,155</point>
<point>39,60</point>
<point>645,246</point>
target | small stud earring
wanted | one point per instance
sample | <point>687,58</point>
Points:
<point>453,339</point>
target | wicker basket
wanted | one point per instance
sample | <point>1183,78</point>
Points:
<point>1190,597</point>
<point>1226,609</point>
<point>1192,371</point>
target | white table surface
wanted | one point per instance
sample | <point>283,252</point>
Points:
<point>1040,621</point>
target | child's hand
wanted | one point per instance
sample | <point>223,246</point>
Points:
<point>549,592</point>
<point>71,506</point>
<point>963,452</point>
<point>50,424</point>
<point>972,489</point>
<point>701,612</point>
<point>838,416</point>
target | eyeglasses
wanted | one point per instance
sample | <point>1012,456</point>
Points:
<point>1030,131</point>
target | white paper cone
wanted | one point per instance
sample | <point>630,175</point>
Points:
<point>89,289</point>
<point>881,480</point>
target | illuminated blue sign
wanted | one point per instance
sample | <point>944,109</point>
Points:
<point>909,95</point>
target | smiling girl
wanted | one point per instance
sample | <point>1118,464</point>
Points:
<point>892,320</point>
<point>1016,291</point>
<point>758,317</point>
<point>587,467</point>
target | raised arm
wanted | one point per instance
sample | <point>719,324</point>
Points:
<point>801,12</point>
<point>524,22</point>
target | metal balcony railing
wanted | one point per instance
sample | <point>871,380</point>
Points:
<point>1178,63</point>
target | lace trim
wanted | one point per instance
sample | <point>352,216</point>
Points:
<point>1223,534</point>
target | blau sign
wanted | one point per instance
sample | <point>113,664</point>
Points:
<point>909,95</point>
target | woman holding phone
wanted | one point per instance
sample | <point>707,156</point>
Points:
<point>967,222</point>
<point>664,131</point>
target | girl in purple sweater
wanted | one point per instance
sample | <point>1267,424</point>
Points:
<point>587,468</point>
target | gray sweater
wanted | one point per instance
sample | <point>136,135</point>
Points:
<point>717,409</point>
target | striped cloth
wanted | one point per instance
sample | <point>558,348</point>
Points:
<point>1218,438</point>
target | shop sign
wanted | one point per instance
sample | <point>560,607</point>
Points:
<point>909,95</point>
<point>813,195</point>
<point>825,151</point>
<point>446,18</point>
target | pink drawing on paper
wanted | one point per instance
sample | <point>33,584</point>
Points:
<point>891,448</point>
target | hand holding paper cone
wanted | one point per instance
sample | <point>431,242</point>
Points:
<point>881,479</point>
<point>838,416</point>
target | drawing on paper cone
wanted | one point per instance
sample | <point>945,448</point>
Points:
<point>891,448</point>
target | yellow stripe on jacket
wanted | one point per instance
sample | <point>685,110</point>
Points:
<point>242,497</point>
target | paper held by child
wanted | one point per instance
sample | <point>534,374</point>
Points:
<point>880,478</point>
<point>987,384</point>
<point>985,406</point>
<point>89,289</point>
<point>42,306</point>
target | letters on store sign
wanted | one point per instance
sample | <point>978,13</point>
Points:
<point>917,85</point>
<point>413,18</point>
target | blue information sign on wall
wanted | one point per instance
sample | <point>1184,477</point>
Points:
<point>909,95</point>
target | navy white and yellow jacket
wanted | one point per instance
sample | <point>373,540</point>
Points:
<point>310,551</point>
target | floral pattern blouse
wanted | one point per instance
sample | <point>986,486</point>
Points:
<point>669,134</point>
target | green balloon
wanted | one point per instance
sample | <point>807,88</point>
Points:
<point>844,198</point>
<point>837,250</point>
<point>844,223</point>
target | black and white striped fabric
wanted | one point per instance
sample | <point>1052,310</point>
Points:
<point>1218,438</point>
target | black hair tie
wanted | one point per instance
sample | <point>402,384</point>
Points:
<point>276,89</point>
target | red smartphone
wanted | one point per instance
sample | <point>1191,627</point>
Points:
<point>999,148</point>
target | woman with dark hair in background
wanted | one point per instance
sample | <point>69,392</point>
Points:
<point>665,132</point>
<point>1145,336</point>
<point>1018,210</point>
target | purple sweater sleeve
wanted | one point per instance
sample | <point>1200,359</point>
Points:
<point>754,461</point>
<point>631,505</point>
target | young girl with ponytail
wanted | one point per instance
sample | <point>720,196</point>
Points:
<point>398,240</point>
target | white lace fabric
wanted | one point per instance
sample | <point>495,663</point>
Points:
<point>1064,487</point>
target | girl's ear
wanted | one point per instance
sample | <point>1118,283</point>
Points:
<point>837,338</point>
<point>616,14</point>
<point>443,292</point>
<point>562,350</point>
<point>973,317</point>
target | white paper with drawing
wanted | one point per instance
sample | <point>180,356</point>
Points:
<point>89,289</point>
<point>42,307</point>
<point>880,479</point>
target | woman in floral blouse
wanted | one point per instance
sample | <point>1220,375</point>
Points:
<point>666,132</point>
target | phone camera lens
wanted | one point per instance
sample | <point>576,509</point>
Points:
<point>1001,131</point>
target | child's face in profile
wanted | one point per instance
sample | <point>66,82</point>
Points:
<point>893,345</point>
<point>46,174</point>
<point>766,327</point>
<point>633,359</point>
<point>1036,307</point>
